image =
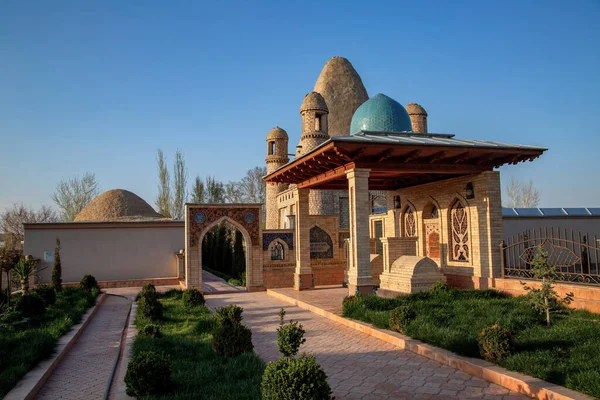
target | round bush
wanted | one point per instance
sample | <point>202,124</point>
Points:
<point>148,291</point>
<point>299,378</point>
<point>47,293</point>
<point>148,373</point>
<point>495,343</point>
<point>31,305</point>
<point>400,318</point>
<point>231,314</point>
<point>88,282</point>
<point>151,330</point>
<point>439,287</point>
<point>289,338</point>
<point>193,298</point>
<point>231,340</point>
<point>150,307</point>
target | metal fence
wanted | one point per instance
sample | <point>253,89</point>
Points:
<point>573,254</point>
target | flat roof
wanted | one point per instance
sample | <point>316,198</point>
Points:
<point>551,212</point>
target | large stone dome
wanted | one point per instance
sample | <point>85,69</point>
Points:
<point>343,91</point>
<point>380,114</point>
<point>117,205</point>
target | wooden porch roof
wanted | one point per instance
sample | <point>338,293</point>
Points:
<point>397,160</point>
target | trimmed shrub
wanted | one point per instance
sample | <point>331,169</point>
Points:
<point>495,343</point>
<point>289,336</point>
<point>151,330</point>
<point>232,339</point>
<point>231,314</point>
<point>295,378</point>
<point>31,305</point>
<point>150,307</point>
<point>349,300</point>
<point>88,282</point>
<point>47,293</point>
<point>400,318</point>
<point>148,291</point>
<point>148,373</point>
<point>193,298</point>
<point>439,287</point>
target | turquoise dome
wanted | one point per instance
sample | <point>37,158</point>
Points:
<point>380,114</point>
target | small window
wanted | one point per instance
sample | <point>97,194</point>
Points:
<point>277,252</point>
<point>410,223</point>
<point>271,148</point>
<point>317,123</point>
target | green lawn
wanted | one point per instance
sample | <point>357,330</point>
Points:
<point>197,371</point>
<point>567,353</point>
<point>23,345</point>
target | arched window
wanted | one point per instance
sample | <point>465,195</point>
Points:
<point>277,251</point>
<point>459,233</point>
<point>434,212</point>
<point>271,148</point>
<point>409,223</point>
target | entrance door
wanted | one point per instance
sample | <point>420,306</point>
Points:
<point>432,240</point>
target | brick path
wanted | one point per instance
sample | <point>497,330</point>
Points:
<point>85,370</point>
<point>212,283</point>
<point>358,366</point>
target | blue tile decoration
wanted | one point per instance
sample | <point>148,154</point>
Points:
<point>321,245</point>
<point>380,114</point>
<point>287,237</point>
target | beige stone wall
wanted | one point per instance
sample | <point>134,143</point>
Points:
<point>484,214</point>
<point>109,252</point>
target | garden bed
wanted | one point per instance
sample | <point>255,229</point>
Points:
<point>26,342</point>
<point>567,353</point>
<point>186,336</point>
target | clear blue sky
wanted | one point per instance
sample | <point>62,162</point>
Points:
<point>99,86</point>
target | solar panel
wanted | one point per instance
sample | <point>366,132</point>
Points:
<point>528,212</point>
<point>576,211</point>
<point>508,212</point>
<point>594,211</point>
<point>553,212</point>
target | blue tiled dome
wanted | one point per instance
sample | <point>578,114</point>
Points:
<point>380,114</point>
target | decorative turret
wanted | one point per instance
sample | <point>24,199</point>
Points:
<point>314,122</point>
<point>277,156</point>
<point>418,117</point>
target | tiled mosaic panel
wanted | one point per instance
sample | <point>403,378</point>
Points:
<point>287,237</point>
<point>321,245</point>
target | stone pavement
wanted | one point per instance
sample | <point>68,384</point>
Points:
<point>358,366</point>
<point>85,370</point>
<point>212,283</point>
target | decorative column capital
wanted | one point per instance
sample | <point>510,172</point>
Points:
<point>358,173</point>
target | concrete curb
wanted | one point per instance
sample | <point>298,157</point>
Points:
<point>32,382</point>
<point>118,387</point>
<point>526,385</point>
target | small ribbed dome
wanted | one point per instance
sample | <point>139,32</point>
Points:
<point>415,109</point>
<point>117,205</point>
<point>314,101</point>
<point>380,114</point>
<point>277,133</point>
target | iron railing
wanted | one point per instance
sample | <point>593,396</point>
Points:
<point>573,254</point>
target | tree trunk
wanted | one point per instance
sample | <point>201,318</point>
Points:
<point>25,285</point>
<point>547,311</point>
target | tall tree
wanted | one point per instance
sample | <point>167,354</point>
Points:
<point>198,192</point>
<point>239,258</point>
<point>72,195</point>
<point>522,195</point>
<point>232,193</point>
<point>163,200</point>
<point>12,220</point>
<point>253,187</point>
<point>180,176</point>
<point>57,268</point>
<point>215,191</point>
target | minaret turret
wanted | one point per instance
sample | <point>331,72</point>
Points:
<point>418,117</point>
<point>314,123</point>
<point>277,156</point>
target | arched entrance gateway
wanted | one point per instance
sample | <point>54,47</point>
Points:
<point>201,218</point>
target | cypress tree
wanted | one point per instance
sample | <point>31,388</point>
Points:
<point>239,258</point>
<point>57,269</point>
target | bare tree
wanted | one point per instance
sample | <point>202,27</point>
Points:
<point>12,220</point>
<point>233,193</point>
<point>72,195</point>
<point>521,195</point>
<point>215,191</point>
<point>253,187</point>
<point>180,175</point>
<point>163,200</point>
<point>198,192</point>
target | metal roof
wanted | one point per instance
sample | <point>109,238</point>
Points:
<point>430,139</point>
<point>551,212</point>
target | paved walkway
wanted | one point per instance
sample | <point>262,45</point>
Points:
<point>85,370</point>
<point>212,283</point>
<point>358,366</point>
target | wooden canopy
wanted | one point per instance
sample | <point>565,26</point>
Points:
<point>394,164</point>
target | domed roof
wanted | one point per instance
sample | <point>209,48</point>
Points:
<point>277,133</point>
<point>117,205</point>
<point>380,114</point>
<point>343,90</point>
<point>415,109</point>
<point>313,101</point>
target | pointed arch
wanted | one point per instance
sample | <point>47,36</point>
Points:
<point>459,231</point>
<point>408,222</point>
<point>278,250</point>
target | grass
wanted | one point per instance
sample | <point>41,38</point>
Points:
<point>567,353</point>
<point>25,344</point>
<point>186,335</point>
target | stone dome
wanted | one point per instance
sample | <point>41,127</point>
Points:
<point>277,133</point>
<point>343,90</point>
<point>117,205</point>
<point>380,114</point>
<point>313,101</point>
<point>415,109</point>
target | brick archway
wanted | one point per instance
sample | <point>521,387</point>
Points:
<point>200,218</point>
